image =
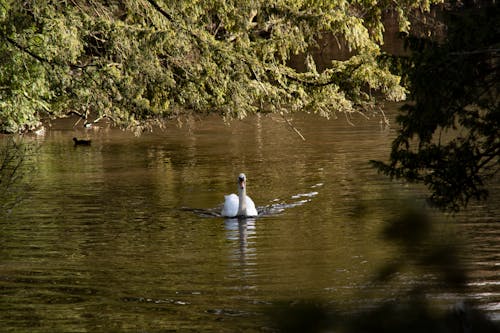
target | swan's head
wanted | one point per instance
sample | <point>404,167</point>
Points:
<point>242,179</point>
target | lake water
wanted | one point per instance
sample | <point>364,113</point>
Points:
<point>124,235</point>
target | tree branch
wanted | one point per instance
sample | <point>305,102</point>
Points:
<point>160,10</point>
<point>316,83</point>
<point>45,60</point>
<point>289,123</point>
<point>26,50</point>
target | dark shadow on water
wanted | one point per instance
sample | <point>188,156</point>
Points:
<point>414,315</point>
<point>432,254</point>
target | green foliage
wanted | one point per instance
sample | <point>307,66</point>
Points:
<point>450,136</point>
<point>141,61</point>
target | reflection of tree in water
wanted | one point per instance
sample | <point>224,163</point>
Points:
<point>15,166</point>
<point>424,250</point>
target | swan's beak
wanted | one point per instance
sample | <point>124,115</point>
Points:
<point>242,184</point>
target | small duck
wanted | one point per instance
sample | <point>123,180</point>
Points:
<point>81,142</point>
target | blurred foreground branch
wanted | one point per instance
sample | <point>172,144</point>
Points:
<point>428,253</point>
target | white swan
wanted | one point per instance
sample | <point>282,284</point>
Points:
<point>241,204</point>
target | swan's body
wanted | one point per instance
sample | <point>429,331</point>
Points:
<point>241,204</point>
<point>232,204</point>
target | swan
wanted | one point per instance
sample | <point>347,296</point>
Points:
<point>241,204</point>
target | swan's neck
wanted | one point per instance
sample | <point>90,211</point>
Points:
<point>242,207</point>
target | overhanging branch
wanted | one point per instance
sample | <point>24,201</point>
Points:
<point>42,59</point>
<point>161,10</point>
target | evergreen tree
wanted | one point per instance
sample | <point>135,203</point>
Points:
<point>142,61</point>
<point>450,134</point>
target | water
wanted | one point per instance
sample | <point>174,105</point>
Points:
<point>124,235</point>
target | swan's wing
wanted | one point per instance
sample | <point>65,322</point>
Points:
<point>231,204</point>
<point>251,210</point>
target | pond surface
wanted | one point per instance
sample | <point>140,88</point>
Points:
<point>124,235</point>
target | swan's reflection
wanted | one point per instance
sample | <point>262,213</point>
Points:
<point>241,231</point>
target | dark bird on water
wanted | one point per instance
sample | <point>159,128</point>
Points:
<point>81,142</point>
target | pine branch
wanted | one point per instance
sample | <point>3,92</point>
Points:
<point>45,60</point>
<point>161,10</point>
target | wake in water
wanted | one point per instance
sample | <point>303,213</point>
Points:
<point>277,206</point>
